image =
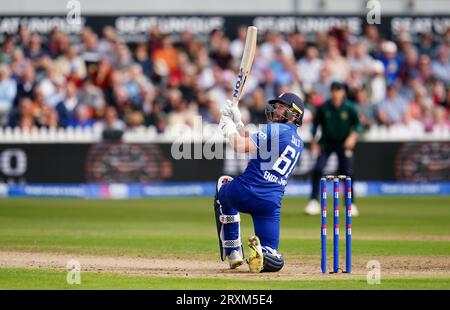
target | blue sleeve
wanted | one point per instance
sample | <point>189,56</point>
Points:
<point>262,136</point>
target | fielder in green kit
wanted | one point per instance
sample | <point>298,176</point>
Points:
<point>339,124</point>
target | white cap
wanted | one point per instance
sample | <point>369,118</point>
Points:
<point>389,47</point>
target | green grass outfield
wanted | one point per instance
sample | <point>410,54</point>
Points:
<point>184,228</point>
<point>50,279</point>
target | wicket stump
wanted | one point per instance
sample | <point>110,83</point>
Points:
<point>348,222</point>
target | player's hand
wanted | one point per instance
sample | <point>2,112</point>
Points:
<point>350,142</point>
<point>227,126</point>
<point>232,111</point>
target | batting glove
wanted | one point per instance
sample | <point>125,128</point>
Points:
<point>227,126</point>
<point>232,111</point>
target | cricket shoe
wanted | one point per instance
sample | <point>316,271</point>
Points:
<point>235,259</point>
<point>313,207</point>
<point>255,259</point>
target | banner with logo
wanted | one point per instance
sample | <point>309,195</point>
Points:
<point>135,28</point>
<point>110,163</point>
<point>206,189</point>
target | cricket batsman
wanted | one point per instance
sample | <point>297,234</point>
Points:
<point>275,150</point>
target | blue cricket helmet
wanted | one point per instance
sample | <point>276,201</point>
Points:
<point>295,104</point>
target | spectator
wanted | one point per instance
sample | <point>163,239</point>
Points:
<point>107,42</point>
<point>391,61</point>
<point>404,43</point>
<point>169,79</point>
<point>441,119</point>
<point>269,84</point>
<point>323,85</point>
<point>446,101</point>
<point>26,85</point>
<point>8,91</point>
<point>377,82</point>
<point>38,104</point>
<point>215,38</point>
<point>168,54</point>
<point>134,119</point>
<point>410,124</point>
<point>181,112</point>
<point>89,50</point>
<point>19,63</point>
<point>123,58</point>
<point>222,56</point>
<point>298,42</point>
<point>361,62</point>
<point>308,68</point>
<point>425,73</point>
<point>82,117</point>
<point>426,44</point>
<point>26,119</point>
<point>336,65</point>
<point>274,42</point>
<point>24,36</point>
<point>7,50</point>
<point>257,107</point>
<point>428,118</point>
<point>102,74</point>
<point>437,91</point>
<point>67,108</point>
<point>366,110</point>
<point>71,65</point>
<point>237,46</point>
<point>409,68</point>
<point>224,80</point>
<point>141,57</point>
<point>35,51</point>
<point>187,44</point>
<point>110,121</point>
<point>321,39</point>
<point>281,67</point>
<point>52,85</point>
<point>313,100</point>
<point>137,86</point>
<point>441,66</point>
<point>371,39</point>
<point>24,109</point>
<point>157,117</point>
<point>48,118</point>
<point>392,109</point>
<point>91,95</point>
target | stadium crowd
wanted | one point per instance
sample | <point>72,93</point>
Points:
<point>49,81</point>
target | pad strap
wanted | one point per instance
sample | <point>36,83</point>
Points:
<point>231,243</point>
<point>227,219</point>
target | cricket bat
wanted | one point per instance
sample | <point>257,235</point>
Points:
<point>246,64</point>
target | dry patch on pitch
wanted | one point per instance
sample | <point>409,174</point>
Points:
<point>306,268</point>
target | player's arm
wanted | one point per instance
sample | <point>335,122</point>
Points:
<point>242,144</point>
<point>315,148</point>
<point>239,143</point>
<point>350,141</point>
